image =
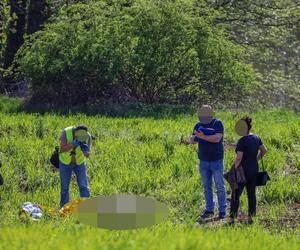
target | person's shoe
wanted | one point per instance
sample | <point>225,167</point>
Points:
<point>222,215</point>
<point>206,214</point>
<point>230,222</point>
<point>249,221</point>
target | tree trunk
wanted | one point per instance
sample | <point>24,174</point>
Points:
<point>15,31</point>
<point>38,13</point>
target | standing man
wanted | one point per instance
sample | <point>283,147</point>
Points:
<point>75,146</point>
<point>208,133</point>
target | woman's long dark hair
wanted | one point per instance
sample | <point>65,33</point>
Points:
<point>248,120</point>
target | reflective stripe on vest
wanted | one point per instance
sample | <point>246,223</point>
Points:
<point>66,157</point>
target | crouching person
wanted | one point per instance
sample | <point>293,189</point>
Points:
<point>75,146</point>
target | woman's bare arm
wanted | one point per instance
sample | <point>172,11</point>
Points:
<point>192,140</point>
<point>262,151</point>
<point>238,159</point>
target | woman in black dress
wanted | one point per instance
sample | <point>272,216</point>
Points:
<point>249,151</point>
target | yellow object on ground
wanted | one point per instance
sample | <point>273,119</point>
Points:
<point>50,211</point>
<point>70,207</point>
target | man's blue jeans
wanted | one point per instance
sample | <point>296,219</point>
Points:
<point>210,170</point>
<point>65,172</point>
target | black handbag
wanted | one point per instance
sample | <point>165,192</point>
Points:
<point>54,159</point>
<point>262,176</point>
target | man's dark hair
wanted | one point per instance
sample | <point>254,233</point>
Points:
<point>248,120</point>
<point>81,127</point>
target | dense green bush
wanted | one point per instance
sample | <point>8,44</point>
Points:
<point>151,51</point>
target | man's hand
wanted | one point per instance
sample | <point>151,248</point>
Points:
<point>75,143</point>
<point>199,134</point>
<point>209,138</point>
<point>262,151</point>
<point>84,147</point>
<point>185,142</point>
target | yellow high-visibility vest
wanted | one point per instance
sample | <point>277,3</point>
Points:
<point>66,157</point>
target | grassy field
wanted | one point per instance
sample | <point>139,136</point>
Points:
<point>143,155</point>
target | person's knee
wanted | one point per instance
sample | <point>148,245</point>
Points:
<point>252,198</point>
<point>64,186</point>
<point>220,184</point>
<point>207,187</point>
<point>251,194</point>
<point>219,180</point>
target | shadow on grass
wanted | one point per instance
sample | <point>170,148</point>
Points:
<point>125,110</point>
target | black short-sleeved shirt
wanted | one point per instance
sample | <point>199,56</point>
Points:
<point>209,151</point>
<point>249,145</point>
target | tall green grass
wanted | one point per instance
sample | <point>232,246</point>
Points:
<point>157,238</point>
<point>9,104</point>
<point>142,155</point>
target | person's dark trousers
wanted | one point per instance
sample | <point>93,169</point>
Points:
<point>235,198</point>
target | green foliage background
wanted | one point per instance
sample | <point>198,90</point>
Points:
<point>151,51</point>
<point>158,51</point>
